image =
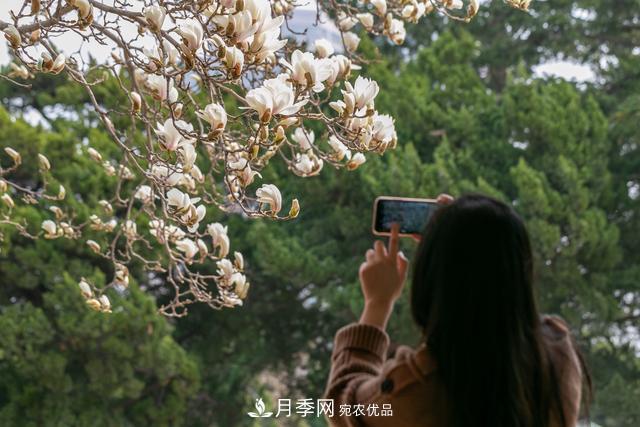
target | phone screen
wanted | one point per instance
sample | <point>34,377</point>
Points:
<point>412,215</point>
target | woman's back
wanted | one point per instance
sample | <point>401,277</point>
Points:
<point>410,385</point>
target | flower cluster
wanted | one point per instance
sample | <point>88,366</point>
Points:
<point>216,91</point>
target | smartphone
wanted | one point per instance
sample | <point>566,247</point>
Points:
<point>411,214</point>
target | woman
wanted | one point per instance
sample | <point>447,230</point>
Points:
<point>487,358</point>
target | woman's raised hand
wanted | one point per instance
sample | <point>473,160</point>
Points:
<point>442,199</point>
<point>383,273</point>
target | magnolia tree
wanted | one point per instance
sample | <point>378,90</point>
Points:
<point>210,82</point>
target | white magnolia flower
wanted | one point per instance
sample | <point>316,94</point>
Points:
<point>351,41</point>
<point>473,8</point>
<point>185,208</point>
<point>324,48</point>
<point>7,200</point>
<point>356,161</point>
<point>144,193</point>
<point>84,7</point>
<point>95,247</point>
<point>364,92</point>
<point>105,304</point>
<point>85,288</point>
<point>188,247</point>
<point>238,260</point>
<point>121,276</point>
<point>241,169</point>
<point>520,4</point>
<point>163,232</point>
<point>215,115</point>
<point>339,148</point>
<point>346,22</point>
<point>266,43</point>
<point>169,176</point>
<point>192,33</point>
<point>19,71</point>
<point>260,11</point>
<point>366,19</point>
<point>170,134</point>
<point>274,97</point>
<point>414,11</point>
<point>196,173</point>
<point>59,64</point>
<point>51,230</point>
<point>155,16</point>
<point>380,6</point>
<point>452,4</point>
<point>240,285</point>
<point>234,59</point>
<point>161,89</point>
<point>304,138</point>
<point>269,194</point>
<point>13,36</point>
<point>383,128</point>
<point>15,156</point>
<point>307,70</point>
<point>173,55</point>
<point>225,269</point>
<point>218,232</point>
<point>396,31</point>
<point>130,229</point>
<point>179,200</point>
<point>44,162</point>
<point>136,101</point>
<point>94,154</point>
<point>188,156</point>
<point>307,164</point>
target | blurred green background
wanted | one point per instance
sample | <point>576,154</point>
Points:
<point>471,115</point>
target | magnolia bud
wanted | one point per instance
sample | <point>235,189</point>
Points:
<point>35,36</point>
<point>44,162</point>
<point>238,260</point>
<point>94,304</point>
<point>295,208</point>
<point>202,247</point>
<point>57,211</point>
<point>177,110</point>
<point>136,101</point>
<point>61,192</point>
<point>105,304</point>
<point>3,185</point>
<point>94,154</point>
<point>241,289</point>
<point>12,35</point>
<point>15,156</point>
<point>280,135</point>
<point>106,206</point>
<point>7,200</point>
<point>85,288</point>
<point>95,247</point>
<point>35,6</point>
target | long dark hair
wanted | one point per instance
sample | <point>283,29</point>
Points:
<point>472,294</point>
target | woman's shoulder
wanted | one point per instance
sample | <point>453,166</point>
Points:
<point>565,361</point>
<point>557,337</point>
<point>555,327</point>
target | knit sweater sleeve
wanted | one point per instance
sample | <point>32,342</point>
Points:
<point>359,353</point>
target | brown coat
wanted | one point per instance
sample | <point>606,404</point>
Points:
<point>362,375</point>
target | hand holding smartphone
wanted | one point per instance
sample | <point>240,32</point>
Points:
<point>412,215</point>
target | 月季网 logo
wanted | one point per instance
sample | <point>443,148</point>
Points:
<point>260,410</point>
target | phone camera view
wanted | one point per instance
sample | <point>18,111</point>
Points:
<point>411,215</point>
